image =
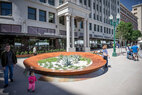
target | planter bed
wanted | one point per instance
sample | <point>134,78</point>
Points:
<point>32,62</point>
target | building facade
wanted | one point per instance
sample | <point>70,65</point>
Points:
<point>137,11</point>
<point>128,16</point>
<point>68,24</point>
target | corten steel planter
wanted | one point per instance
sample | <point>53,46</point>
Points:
<point>32,63</point>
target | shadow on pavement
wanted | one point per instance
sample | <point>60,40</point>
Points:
<point>97,73</point>
<point>20,85</point>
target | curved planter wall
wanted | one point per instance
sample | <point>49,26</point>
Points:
<point>32,63</point>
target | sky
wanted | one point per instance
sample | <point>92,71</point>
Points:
<point>129,3</point>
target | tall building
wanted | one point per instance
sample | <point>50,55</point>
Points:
<point>137,11</point>
<point>49,24</point>
<point>128,16</point>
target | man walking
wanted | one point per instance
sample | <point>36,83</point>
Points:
<point>8,61</point>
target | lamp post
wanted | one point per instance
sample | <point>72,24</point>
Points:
<point>114,22</point>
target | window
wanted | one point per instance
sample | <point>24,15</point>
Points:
<point>80,1</point>
<point>85,2</point>
<point>100,18</point>
<point>62,20</point>
<point>89,3</point>
<point>135,9</point>
<point>94,27</point>
<point>32,13</point>
<point>101,29</point>
<point>43,1</point>
<point>104,2</point>
<point>94,16</point>
<point>97,17</point>
<point>104,20</point>
<point>75,21</point>
<point>51,17</point>
<point>118,10</point>
<point>112,31</point>
<point>51,2</point>
<point>98,28</point>
<point>117,2</point>
<point>6,8</point>
<point>107,30</point>
<point>90,15</point>
<point>42,15</point>
<point>100,9</point>
<point>135,13</point>
<point>104,29</point>
<point>104,10</point>
<point>97,7</point>
<point>94,6</point>
<point>81,24</point>
<point>61,2</point>
<point>90,26</point>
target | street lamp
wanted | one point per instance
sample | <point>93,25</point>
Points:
<point>114,22</point>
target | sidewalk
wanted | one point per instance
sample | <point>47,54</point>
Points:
<point>124,77</point>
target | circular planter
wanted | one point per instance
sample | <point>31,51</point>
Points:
<point>32,63</point>
<point>25,55</point>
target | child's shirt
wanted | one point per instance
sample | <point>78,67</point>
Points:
<point>32,79</point>
<point>105,53</point>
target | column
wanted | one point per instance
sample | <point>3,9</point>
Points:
<point>88,35</point>
<point>72,31</point>
<point>67,31</point>
<point>84,23</point>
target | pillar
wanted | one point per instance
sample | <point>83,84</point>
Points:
<point>72,37</point>
<point>86,36</point>
<point>67,32</point>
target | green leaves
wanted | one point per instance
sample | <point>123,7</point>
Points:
<point>136,34</point>
<point>64,62</point>
<point>125,32</point>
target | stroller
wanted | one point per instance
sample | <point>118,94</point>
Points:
<point>130,54</point>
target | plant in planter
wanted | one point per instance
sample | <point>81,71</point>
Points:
<point>25,52</point>
<point>30,52</point>
<point>64,62</point>
<point>17,53</point>
<point>22,53</point>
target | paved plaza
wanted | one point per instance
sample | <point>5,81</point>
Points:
<point>123,77</point>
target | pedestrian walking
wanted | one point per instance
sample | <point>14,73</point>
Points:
<point>8,61</point>
<point>135,50</point>
<point>32,79</point>
<point>34,50</point>
<point>105,55</point>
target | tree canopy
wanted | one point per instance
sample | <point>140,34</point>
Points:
<point>125,32</point>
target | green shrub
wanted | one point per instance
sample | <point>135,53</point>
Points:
<point>30,52</point>
<point>25,52</point>
<point>17,53</point>
<point>22,53</point>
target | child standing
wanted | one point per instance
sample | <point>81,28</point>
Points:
<point>32,79</point>
<point>105,55</point>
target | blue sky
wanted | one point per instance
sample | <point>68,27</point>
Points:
<point>129,3</point>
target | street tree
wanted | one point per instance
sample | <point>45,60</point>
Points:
<point>135,35</point>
